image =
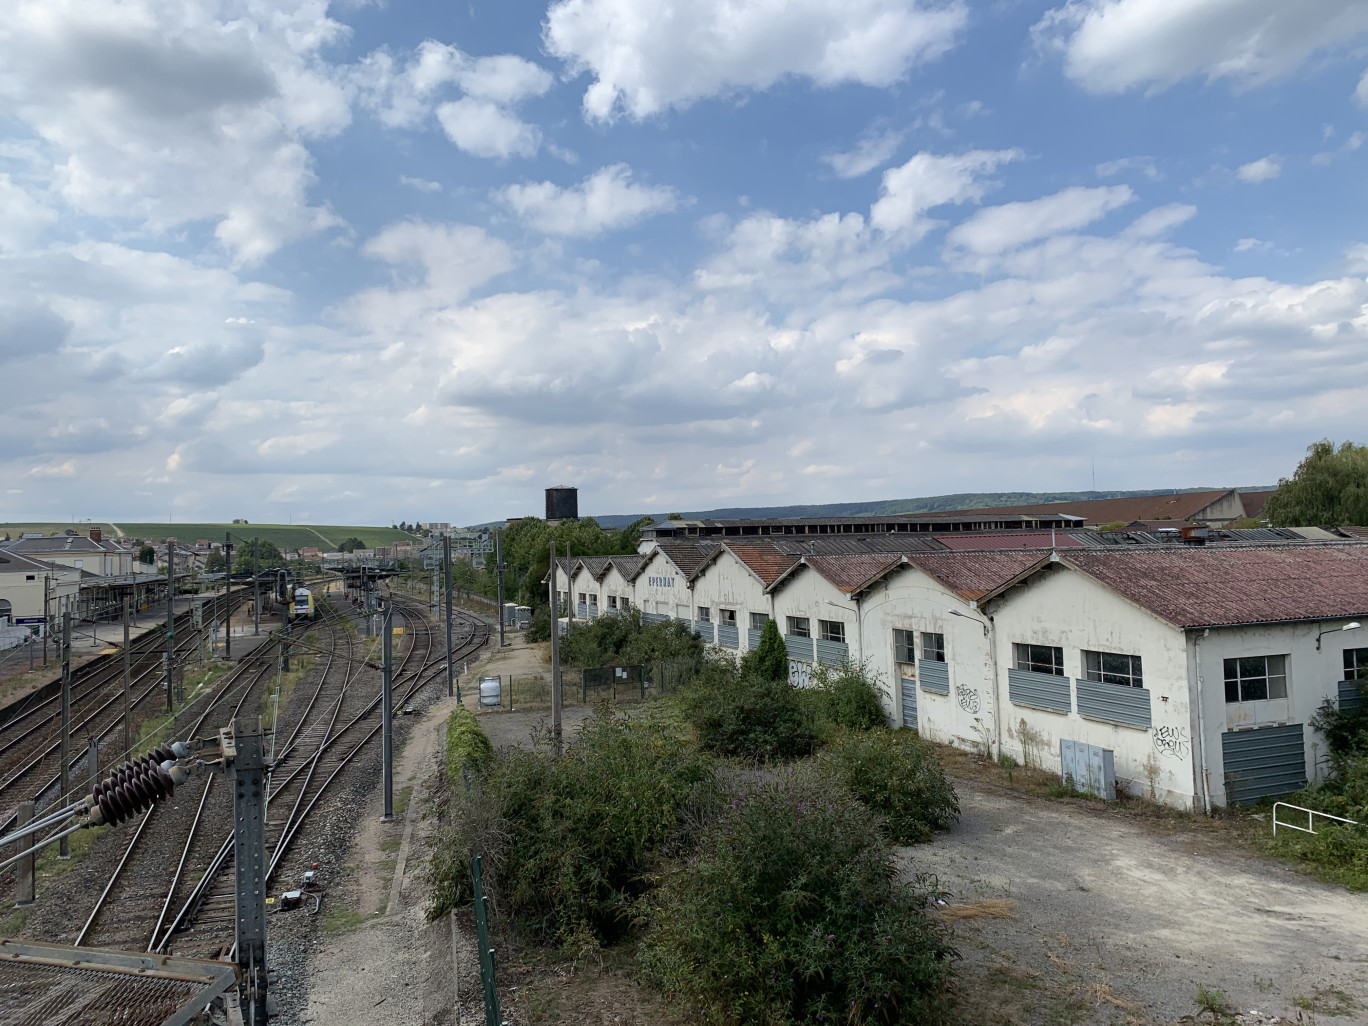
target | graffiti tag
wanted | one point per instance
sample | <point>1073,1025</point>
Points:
<point>1171,741</point>
<point>800,673</point>
<point>968,698</point>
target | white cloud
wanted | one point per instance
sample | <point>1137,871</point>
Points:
<point>1253,246</point>
<point>483,121</point>
<point>24,217</point>
<point>648,57</point>
<point>160,115</point>
<point>485,129</point>
<point>1145,165</point>
<point>605,200</point>
<point>873,150</point>
<point>1361,93</point>
<point>1357,257</point>
<point>928,181</point>
<point>1262,170</point>
<point>421,184</point>
<point>1110,46</point>
<point>452,259</point>
<point>997,229</point>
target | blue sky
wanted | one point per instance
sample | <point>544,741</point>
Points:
<point>368,262</point>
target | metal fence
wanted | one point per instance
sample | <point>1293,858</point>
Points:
<point>491,993</point>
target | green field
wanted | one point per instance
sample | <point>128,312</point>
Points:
<point>285,536</point>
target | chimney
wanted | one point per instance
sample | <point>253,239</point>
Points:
<point>96,533</point>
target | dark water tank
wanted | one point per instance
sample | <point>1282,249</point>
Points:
<point>562,503</point>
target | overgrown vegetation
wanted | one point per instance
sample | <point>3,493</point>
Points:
<point>1337,851</point>
<point>467,746</point>
<point>790,912</point>
<point>618,639</point>
<point>767,901</point>
<point>897,775</point>
<point>526,554</point>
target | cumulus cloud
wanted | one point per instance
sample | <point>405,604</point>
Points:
<point>1262,170</point>
<point>646,58</point>
<point>928,181</point>
<point>606,200</point>
<point>1109,46</point>
<point>997,229</point>
<point>873,150</point>
<point>171,114</point>
<point>482,122</point>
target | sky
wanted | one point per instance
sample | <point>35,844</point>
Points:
<point>368,262</point>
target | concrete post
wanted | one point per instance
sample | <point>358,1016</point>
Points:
<point>555,662</point>
<point>387,714</point>
<point>127,685</point>
<point>24,892</point>
<point>93,762</point>
<point>65,745</point>
<point>446,563</point>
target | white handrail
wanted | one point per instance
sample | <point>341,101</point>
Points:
<point>1311,815</point>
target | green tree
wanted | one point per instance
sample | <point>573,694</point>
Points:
<point>675,516</point>
<point>147,554</point>
<point>351,545</point>
<point>269,558</point>
<point>1330,487</point>
<point>771,657</point>
<point>525,555</point>
<point>213,563</point>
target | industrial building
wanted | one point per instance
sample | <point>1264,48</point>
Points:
<point>1195,658</point>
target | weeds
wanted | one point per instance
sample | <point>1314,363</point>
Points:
<point>897,775</point>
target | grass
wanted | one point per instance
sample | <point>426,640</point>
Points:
<point>339,920</point>
<point>285,536</point>
<point>11,924</point>
<point>1327,1001</point>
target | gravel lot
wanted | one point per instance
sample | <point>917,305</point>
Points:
<point>1114,920</point>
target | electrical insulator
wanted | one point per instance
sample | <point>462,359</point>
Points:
<point>134,786</point>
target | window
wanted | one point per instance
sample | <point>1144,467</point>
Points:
<point>1110,668</point>
<point>1039,658</point>
<point>593,600</point>
<point>1355,663</point>
<point>704,614</point>
<point>1256,678</point>
<point>798,627</point>
<point>612,601</point>
<point>903,642</point>
<point>30,577</point>
<point>831,630</point>
<point>727,616</point>
<point>626,602</point>
<point>758,621</point>
<point>583,599</point>
<point>933,647</point>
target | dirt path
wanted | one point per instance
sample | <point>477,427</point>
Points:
<point>1113,921</point>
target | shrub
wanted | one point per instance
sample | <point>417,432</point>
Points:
<point>897,775</point>
<point>771,657</point>
<point>747,717</point>
<point>621,638</point>
<point>790,912</point>
<point>467,745</point>
<point>570,842</point>
<point>847,697</point>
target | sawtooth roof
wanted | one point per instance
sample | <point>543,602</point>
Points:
<point>852,574</point>
<point>1177,506</point>
<point>974,574</point>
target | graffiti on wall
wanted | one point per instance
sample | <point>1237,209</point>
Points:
<point>968,698</point>
<point>800,673</point>
<point>1171,741</point>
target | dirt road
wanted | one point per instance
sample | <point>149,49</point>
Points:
<point>1114,921</point>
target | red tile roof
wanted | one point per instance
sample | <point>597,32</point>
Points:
<point>1010,540</point>
<point>1210,587</point>
<point>1254,502</point>
<point>854,573</point>
<point>764,560</point>
<point>975,574</point>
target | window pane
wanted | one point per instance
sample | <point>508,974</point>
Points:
<point>933,646</point>
<point>704,613</point>
<point>1092,665</point>
<point>1232,689</point>
<point>798,626</point>
<point>1253,666</point>
<point>832,630</point>
<point>757,621</point>
<point>1276,665</point>
<point>1253,689</point>
<point>902,647</point>
<point>1356,664</point>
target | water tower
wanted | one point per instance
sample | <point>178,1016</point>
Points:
<point>562,503</point>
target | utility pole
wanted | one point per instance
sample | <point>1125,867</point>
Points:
<point>227,593</point>
<point>569,584</point>
<point>555,663</point>
<point>93,762</point>
<point>256,590</point>
<point>282,586</point>
<point>128,684</point>
<point>387,713</point>
<point>65,746</point>
<point>47,619</point>
<point>446,562</point>
<point>249,864</point>
<point>170,624</point>
<point>498,563</point>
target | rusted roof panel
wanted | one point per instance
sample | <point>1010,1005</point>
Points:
<point>1207,587</point>
<point>766,561</point>
<point>975,574</point>
<point>1012,540</point>
<point>854,573</point>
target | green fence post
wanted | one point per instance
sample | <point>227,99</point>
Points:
<point>486,952</point>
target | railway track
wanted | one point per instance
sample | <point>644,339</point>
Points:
<point>172,884</point>
<point>30,739</point>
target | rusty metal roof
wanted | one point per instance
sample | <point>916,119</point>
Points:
<point>53,983</point>
<point>687,556</point>
<point>1011,540</point>
<point>1175,506</point>
<point>628,566</point>
<point>1209,587</point>
<point>766,561</point>
<point>975,574</point>
<point>852,574</point>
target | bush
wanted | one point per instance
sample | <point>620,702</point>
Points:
<point>622,639</point>
<point>769,661</point>
<point>846,697</point>
<point>791,912</point>
<point>539,627</point>
<point>467,745</point>
<point>748,718</point>
<point>897,775</point>
<point>569,843</point>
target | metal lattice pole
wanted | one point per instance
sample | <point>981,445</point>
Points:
<point>249,864</point>
<point>65,746</point>
<point>387,712</point>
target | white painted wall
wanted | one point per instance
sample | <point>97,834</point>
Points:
<point>613,583</point>
<point>26,597</point>
<point>660,587</point>
<point>1312,677</point>
<point>1068,609</point>
<point>727,583</point>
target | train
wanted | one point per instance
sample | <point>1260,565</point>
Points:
<point>303,607</point>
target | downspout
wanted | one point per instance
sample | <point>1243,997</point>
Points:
<point>1199,768</point>
<point>991,630</point>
